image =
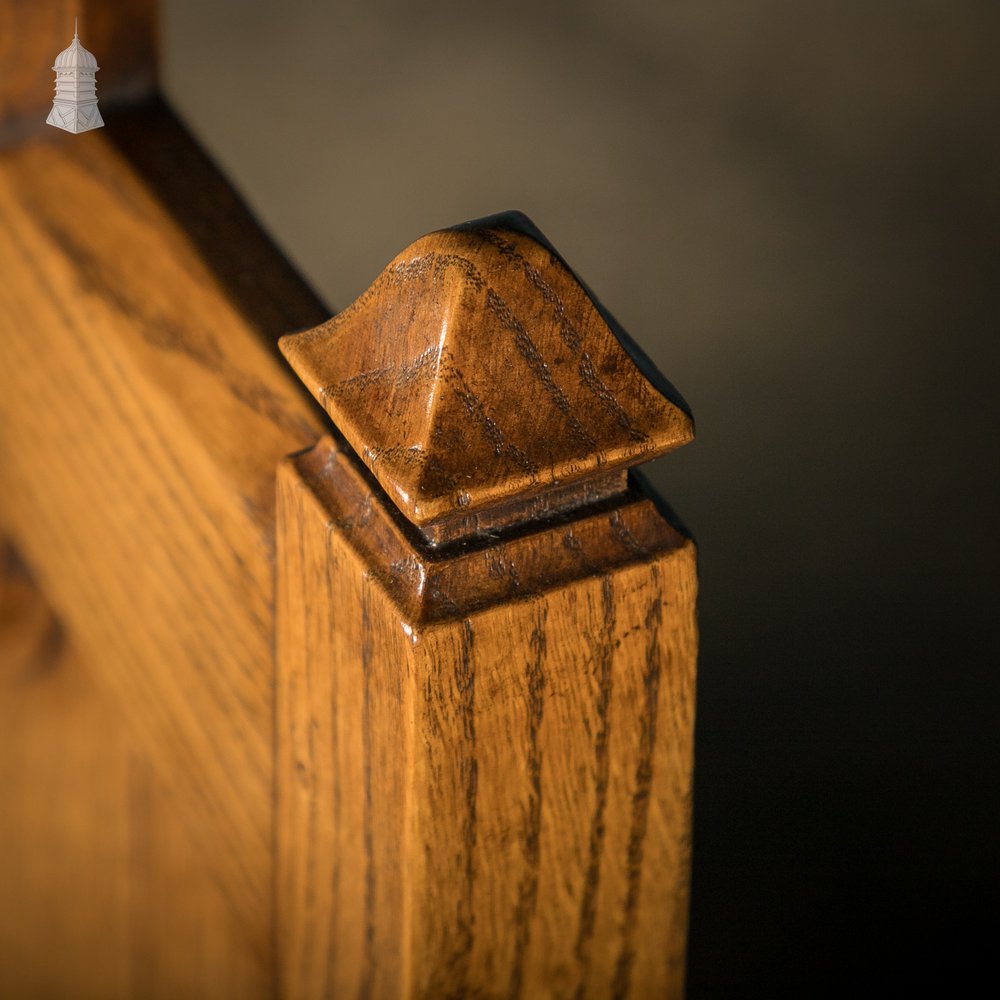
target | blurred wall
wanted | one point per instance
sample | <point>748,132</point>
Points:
<point>793,207</point>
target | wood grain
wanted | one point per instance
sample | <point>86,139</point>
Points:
<point>102,892</point>
<point>486,643</point>
<point>484,789</point>
<point>141,420</point>
<point>477,368</point>
<point>121,33</point>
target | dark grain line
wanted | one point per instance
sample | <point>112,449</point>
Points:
<point>150,434</point>
<point>624,535</point>
<point>368,969</point>
<point>574,545</point>
<point>604,679</point>
<point>359,383</point>
<point>567,328</point>
<point>165,335</point>
<point>436,264</point>
<point>608,399</point>
<point>145,430</point>
<point>463,264</point>
<point>465,917</point>
<point>538,366</point>
<point>527,895</point>
<point>398,276</point>
<point>395,375</point>
<point>643,785</point>
<point>494,435</point>
<point>569,333</point>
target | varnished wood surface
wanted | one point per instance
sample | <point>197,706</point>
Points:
<point>477,369</point>
<point>433,584</point>
<point>102,892</point>
<point>486,644</point>
<point>121,33</point>
<point>141,420</point>
<point>488,796</point>
<point>482,750</point>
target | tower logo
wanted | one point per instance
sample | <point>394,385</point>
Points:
<point>75,106</point>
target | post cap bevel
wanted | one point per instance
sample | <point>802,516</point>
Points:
<point>478,370</point>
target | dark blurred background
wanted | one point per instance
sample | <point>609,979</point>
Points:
<point>793,207</point>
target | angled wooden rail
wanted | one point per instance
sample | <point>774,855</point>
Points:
<point>456,760</point>
<point>141,421</point>
<point>143,410</point>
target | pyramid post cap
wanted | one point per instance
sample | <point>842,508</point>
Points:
<point>478,370</point>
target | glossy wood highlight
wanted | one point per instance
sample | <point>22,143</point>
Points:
<point>478,370</point>
<point>486,643</point>
<point>484,790</point>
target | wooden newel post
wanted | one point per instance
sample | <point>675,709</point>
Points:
<point>486,643</point>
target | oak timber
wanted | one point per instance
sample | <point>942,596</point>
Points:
<point>141,420</point>
<point>102,892</point>
<point>477,370</point>
<point>485,702</point>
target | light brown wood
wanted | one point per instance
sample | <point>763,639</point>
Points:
<point>102,894</point>
<point>484,742</point>
<point>141,420</point>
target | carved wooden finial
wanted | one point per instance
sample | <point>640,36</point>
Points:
<point>478,377</point>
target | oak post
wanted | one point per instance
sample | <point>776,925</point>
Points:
<point>486,643</point>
